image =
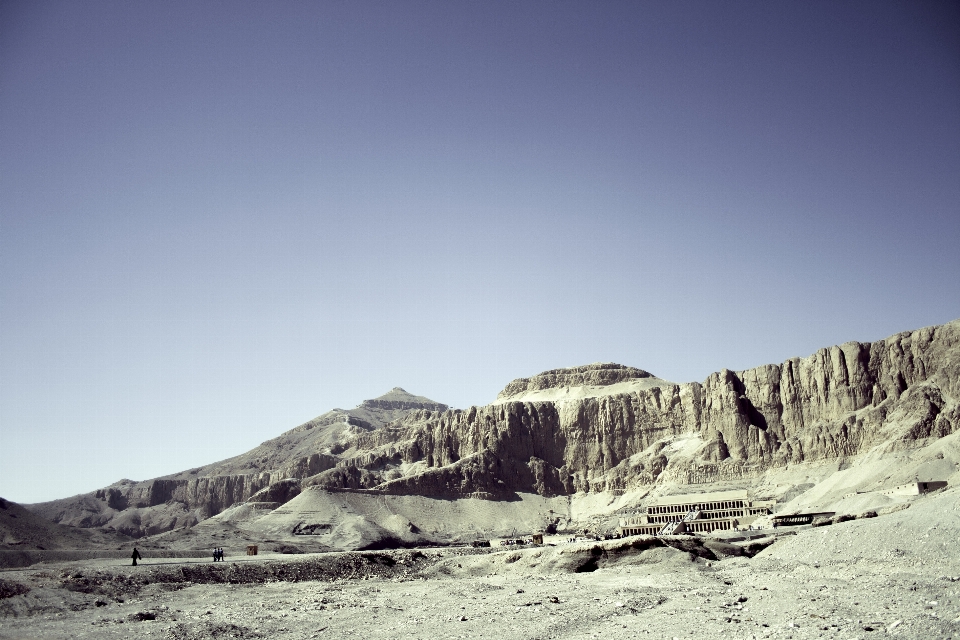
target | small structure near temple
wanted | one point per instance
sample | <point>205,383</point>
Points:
<point>797,519</point>
<point>916,488</point>
<point>696,513</point>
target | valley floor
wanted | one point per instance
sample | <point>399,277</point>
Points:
<point>671,596</point>
<point>895,575</point>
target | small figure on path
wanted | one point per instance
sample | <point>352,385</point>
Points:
<point>136,556</point>
<point>216,553</point>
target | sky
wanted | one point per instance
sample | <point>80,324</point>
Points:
<point>219,220</point>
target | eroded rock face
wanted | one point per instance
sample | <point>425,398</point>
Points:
<point>398,399</point>
<point>599,374</point>
<point>146,508</point>
<point>153,506</point>
<point>21,529</point>
<point>840,402</point>
<point>278,493</point>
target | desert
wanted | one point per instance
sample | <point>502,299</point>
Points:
<point>493,320</point>
<point>891,575</point>
<point>815,498</point>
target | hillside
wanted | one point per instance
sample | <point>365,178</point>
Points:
<point>858,417</point>
<point>22,530</point>
<point>186,498</point>
<point>840,403</point>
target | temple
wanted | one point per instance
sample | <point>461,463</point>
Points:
<point>696,513</point>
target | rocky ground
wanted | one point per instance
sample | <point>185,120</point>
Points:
<point>893,575</point>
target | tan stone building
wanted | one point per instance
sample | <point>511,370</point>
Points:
<point>696,513</point>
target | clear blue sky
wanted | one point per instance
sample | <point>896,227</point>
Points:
<point>219,220</point>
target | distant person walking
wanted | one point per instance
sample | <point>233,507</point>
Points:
<point>216,554</point>
<point>136,556</point>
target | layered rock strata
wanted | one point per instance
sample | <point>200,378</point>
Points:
<point>183,499</point>
<point>601,374</point>
<point>838,403</point>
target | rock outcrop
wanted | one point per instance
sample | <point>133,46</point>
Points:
<point>840,402</point>
<point>398,400</point>
<point>23,530</point>
<point>601,427</point>
<point>183,499</point>
<point>601,374</point>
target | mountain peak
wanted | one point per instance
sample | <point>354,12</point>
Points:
<point>398,398</point>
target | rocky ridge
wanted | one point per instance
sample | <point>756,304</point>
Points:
<point>182,500</point>
<point>599,374</point>
<point>21,529</point>
<point>837,404</point>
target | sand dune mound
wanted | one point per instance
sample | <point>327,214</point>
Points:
<point>925,534</point>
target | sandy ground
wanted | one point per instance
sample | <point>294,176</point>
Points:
<point>728,599</point>
<point>894,575</point>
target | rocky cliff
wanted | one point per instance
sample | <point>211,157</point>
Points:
<point>183,499</point>
<point>602,374</point>
<point>602,427</point>
<point>840,402</point>
<point>22,530</point>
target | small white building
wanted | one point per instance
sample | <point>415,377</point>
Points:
<point>915,488</point>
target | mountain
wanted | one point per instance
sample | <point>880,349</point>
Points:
<point>585,430</point>
<point>22,530</point>
<point>581,441</point>
<point>184,499</point>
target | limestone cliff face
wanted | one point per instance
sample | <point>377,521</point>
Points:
<point>145,508</point>
<point>154,506</point>
<point>398,399</point>
<point>589,375</point>
<point>840,402</point>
